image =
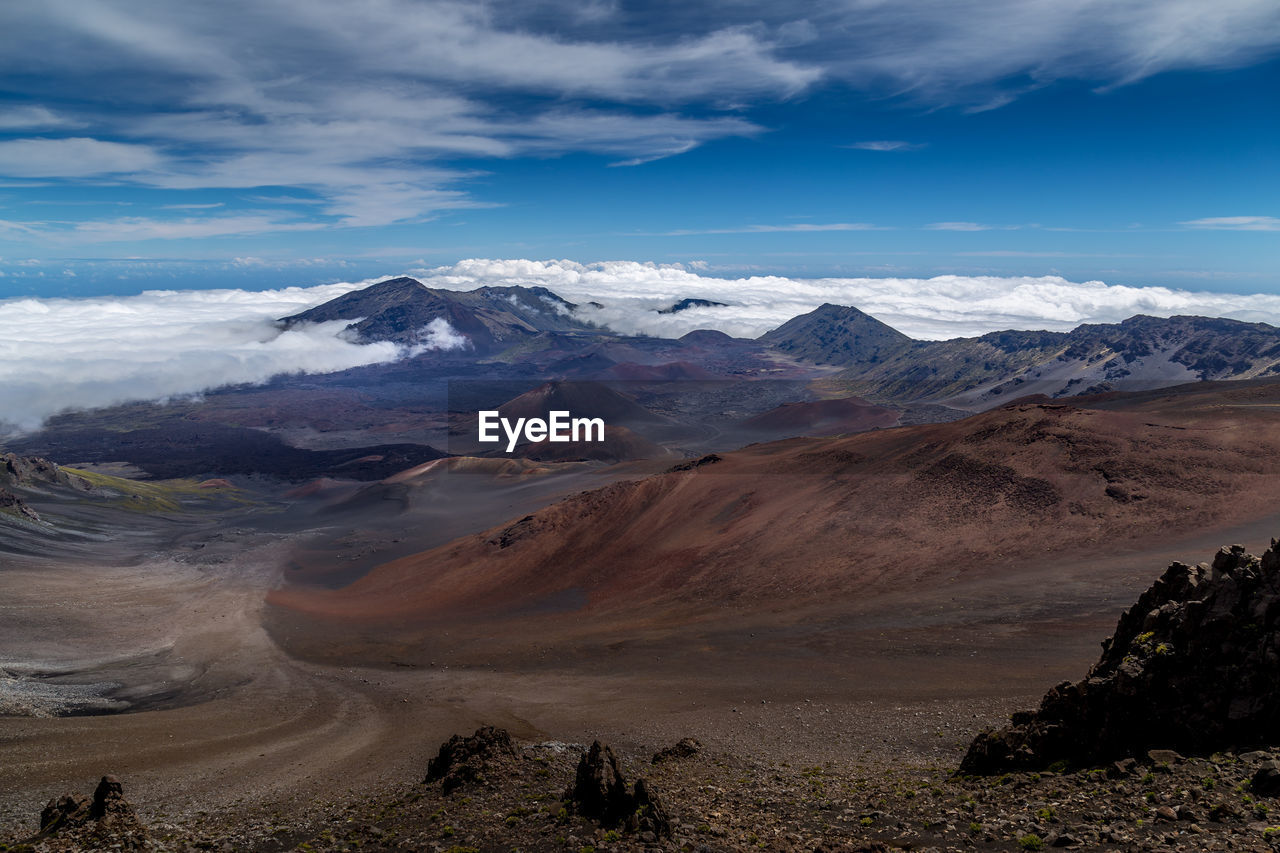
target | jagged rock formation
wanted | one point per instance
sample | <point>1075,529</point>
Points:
<point>464,761</point>
<point>104,821</point>
<point>1191,666</point>
<point>600,791</point>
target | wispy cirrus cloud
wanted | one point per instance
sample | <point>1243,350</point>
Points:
<point>74,157</point>
<point>366,108</point>
<point>359,105</point>
<point>791,228</point>
<point>976,226</point>
<point>886,145</point>
<point>958,226</point>
<point>135,228</point>
<point>33,117</point>
<point>1234,223</point>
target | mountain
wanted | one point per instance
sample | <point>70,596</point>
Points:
<point>837,334</point>
<point>1140,353</point>
<point>686,304</point>
<point>402,309</point>
<point>813,522</point>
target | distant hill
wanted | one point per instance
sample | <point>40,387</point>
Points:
<point>978,373</point>
<point>402,309</point>
<point>686,304</point>
<point>1140,353</point>
<point>837,334</point>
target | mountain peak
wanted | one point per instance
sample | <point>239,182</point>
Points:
<point>491,318</point>
<point>837,334</point>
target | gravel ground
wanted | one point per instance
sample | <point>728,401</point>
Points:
<point>723,801</point>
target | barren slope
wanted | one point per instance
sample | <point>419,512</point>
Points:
<point>826,522</point>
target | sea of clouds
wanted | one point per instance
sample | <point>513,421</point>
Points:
<point>58,354</point>
<point>936,308</point>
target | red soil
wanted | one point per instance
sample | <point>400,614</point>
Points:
<point>828,522</point>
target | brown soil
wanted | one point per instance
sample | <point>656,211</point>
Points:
<point>868,602</point>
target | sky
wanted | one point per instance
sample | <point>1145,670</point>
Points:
<point>277,143</point>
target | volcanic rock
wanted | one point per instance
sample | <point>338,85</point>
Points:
<point>648,814</point>
<point>18,470</point>
<point>462,761</point>
<point>1191,667</point>
<point>65,811</point>
<point>599,791</point>
<point>685,748</point>
<point>1266,779</point>
<point>105,821</point>
<point>16,505</point>
<point>709,459</point>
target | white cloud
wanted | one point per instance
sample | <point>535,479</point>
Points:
<point>439,335</point>
<point>32,117</point>
<point>958,226</point>
<point>934,308</point>
<point>1235,223</point>
<point>968,51</point>
<point>355,104</point>
<point>143,228</point>
<point>359,103</point>
<point>77,157</point>
<point>133,228</point>
<point>886,145</point>
<point>58,354</point>
<point>793,228</point>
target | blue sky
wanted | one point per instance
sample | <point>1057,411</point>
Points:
<point>161,145</point>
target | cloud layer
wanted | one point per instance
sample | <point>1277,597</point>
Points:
<point>934,308</point>
<point>59,354</point>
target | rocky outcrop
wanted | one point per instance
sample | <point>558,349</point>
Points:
<point>600,792</point>
<point>1191,667</point>
<point>686,747</point>
<point>104,821</point>
<point>11,503</point>
<point>464,761</point>
<point>18,470</point>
